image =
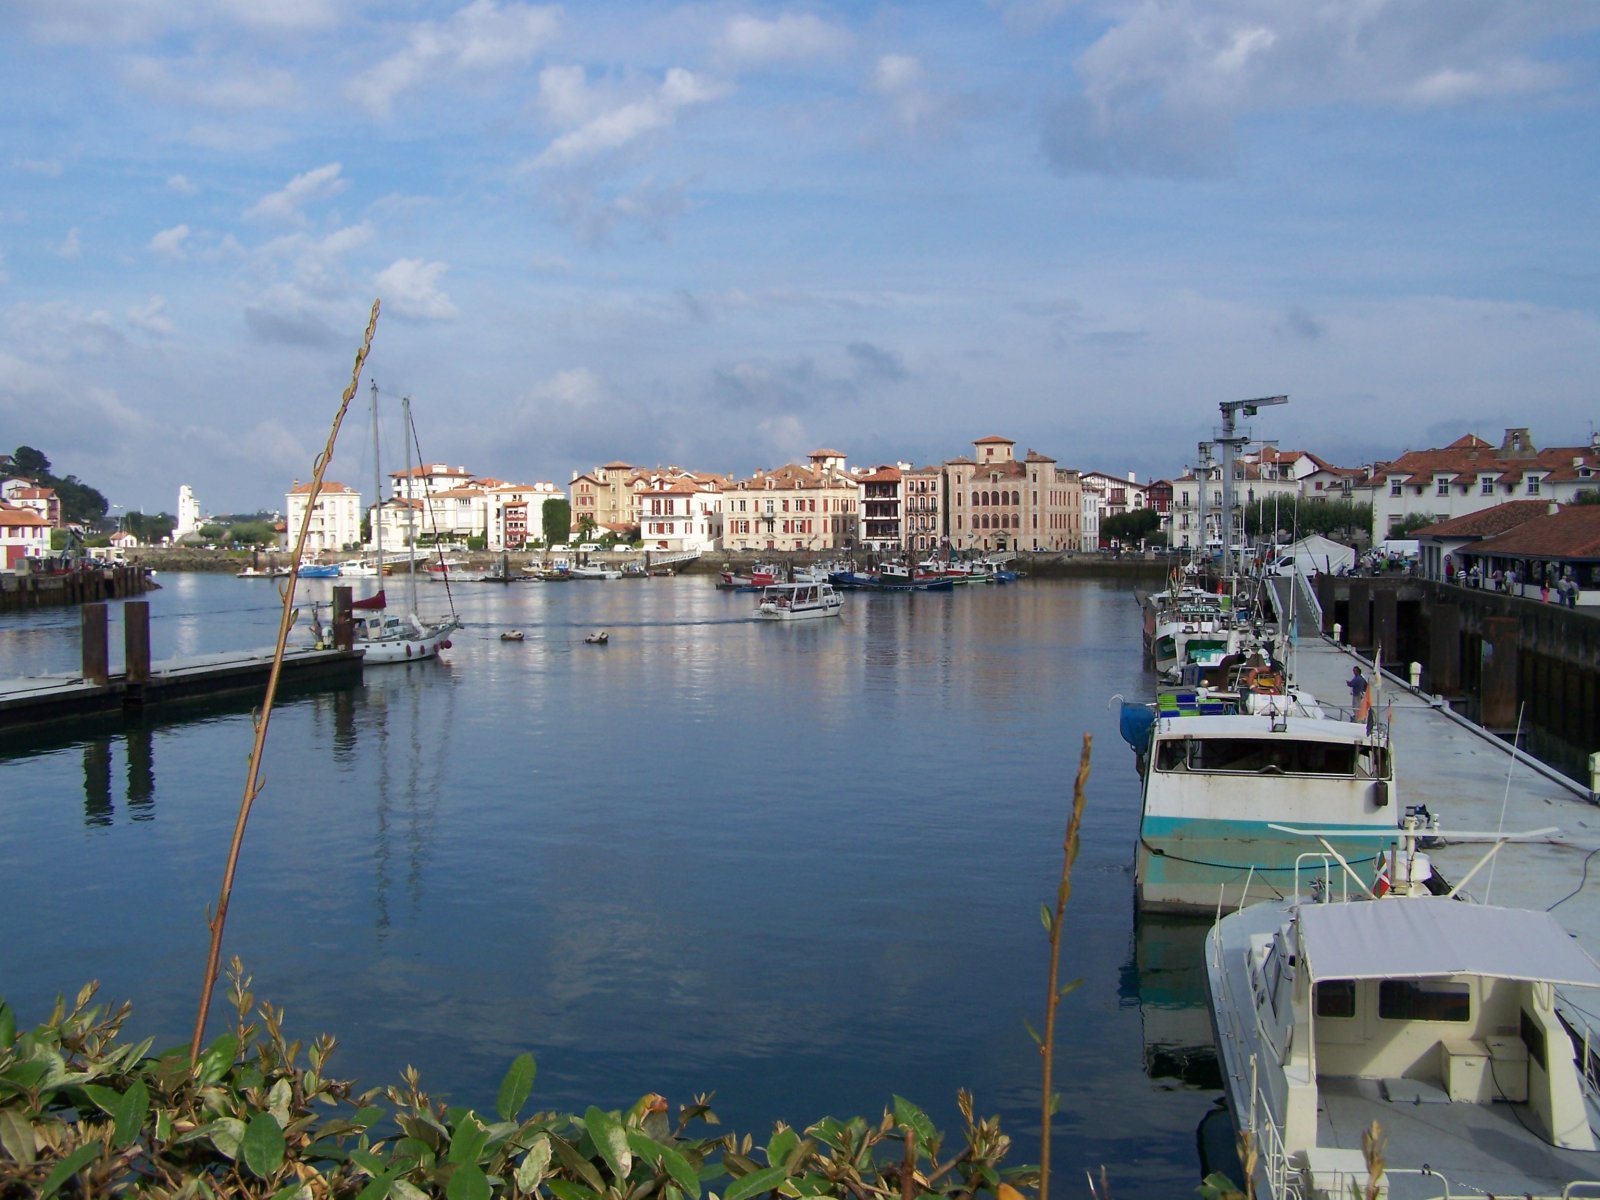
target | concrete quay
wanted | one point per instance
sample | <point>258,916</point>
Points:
<point>1474,781</point>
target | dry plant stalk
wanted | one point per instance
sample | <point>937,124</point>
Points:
<point>1249,1158</point>
<point>252,784</point>
<point>1373,1144</point>
<point>1047,1047</point>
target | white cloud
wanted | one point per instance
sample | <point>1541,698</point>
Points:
<point>169,243</point>
<point>284,206</point>
<point>151,316</point>
<point>123,22</point>
<point>70,247</point>
<point>1164,85</point>
<point>898,78</point>
<point>791,37</point>
<point>479,38</point>
<point>409,287</point>
<point>181,185</point>
<point>227,85</point>
<point>565,97</point>
<point>58,331</point>
<point>50,168</point>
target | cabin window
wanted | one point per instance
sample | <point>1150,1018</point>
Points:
<point>1336,998</point>
<point>1254,755</point>
<point>1424,1000</point>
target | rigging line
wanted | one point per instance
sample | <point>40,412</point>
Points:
<point>1583,880</point>
<point>432,517</point>
<point>1511,763</point>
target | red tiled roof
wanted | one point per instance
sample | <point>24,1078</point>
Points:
<point>1489,522</point>
<point>881,475</point>
<point>994,439</point>
<point>328,485</point>
<point>1574,532</point>
<point>826,454</point>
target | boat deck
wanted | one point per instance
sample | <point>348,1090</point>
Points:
<point>1475,1147</point>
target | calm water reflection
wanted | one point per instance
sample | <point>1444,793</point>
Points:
<point>798,866</point>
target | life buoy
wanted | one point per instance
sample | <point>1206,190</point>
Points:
<point>1265,682</point>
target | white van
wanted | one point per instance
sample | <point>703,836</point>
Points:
<point>589,547</point>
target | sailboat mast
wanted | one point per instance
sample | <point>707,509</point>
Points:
<point>411,518</point>
<point>377,486</point>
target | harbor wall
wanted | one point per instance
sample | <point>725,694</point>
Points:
<point>1520,666</point>
<point>85,585</point>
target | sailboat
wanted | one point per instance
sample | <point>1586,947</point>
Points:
<point>388,637</point>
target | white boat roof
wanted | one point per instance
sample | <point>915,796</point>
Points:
<point>1259,724</point>
<point>1420,937</point>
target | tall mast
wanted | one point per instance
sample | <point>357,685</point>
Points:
<point>411,516</point>
<point>377,487</point>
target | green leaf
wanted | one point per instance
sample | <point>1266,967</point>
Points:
<point>565,1189</point>
<point>577,1164</point>
<point>8,1026</point>
<point>468,1182</point>
<point>1046,916</point>
<point>466,1144</point>
<point>515,1087</point>
<point>262,1145</point>
<point>1070,988</point>
<point>24,1076</point>
<point>68,1167</point>
<point>407,1191</point>
<point>131,1114</point>
<point>378,1189</point>
<point>782,1145</point>
<point>909,1116</point>
<point>218,1058</point>
<point>278,1101</point>
<point>107,1100</point>
<point>612,1143</point>
<point>16,1135</point>
<point>755,1183</point>
<point>682,1172</point>
<point>531,1170</point>
<point>367,1117</point>
<point>1033,1033</point>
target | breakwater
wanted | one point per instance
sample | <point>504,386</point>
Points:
<point>83,585</point>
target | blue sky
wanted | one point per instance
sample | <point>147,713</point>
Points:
<point>724,235</point>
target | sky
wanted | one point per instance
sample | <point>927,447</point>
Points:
<point>722,236</point>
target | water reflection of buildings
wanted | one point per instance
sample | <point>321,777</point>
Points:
<point>1165,977</point>
<point>98,777</point>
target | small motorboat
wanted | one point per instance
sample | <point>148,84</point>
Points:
<point>511,635</point>
<point>598,639</point>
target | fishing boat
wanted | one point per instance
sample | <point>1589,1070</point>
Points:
<point>798,602</point>
<point>1414,1045</point>
<point>310,568</point>
<point>761,575</point>
<point>902,577</point>
<point>595,571</point>
<point>359,568</point>
<point>1221,771</point>
<point>444,569</point>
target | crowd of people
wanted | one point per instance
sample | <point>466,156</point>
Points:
<point>1551,579</point>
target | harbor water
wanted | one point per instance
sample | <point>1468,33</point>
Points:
<point>799,866</point>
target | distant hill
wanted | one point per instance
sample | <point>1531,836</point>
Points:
<point>80,503</point>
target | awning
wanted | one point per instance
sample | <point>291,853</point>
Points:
<point>1409,938</point>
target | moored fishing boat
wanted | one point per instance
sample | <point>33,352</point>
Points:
<point>1219,773</point>
<point>311,569</point>
<point>1415,1045</point>
<point>761,575</point>
<point>798,602</point>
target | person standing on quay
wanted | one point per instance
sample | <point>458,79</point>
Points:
<point>1357,683</point>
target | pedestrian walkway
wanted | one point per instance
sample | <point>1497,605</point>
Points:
<point>1474,782</point>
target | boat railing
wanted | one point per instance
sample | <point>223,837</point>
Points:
<point>1432,1178</point>
<point>1320,872</point>
<point>1267,1138</point>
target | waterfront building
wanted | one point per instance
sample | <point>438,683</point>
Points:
<point>515,512</point>
<point>188,513</point>
<point>335,518</point>
<point>24,493</point>
<point>881,502</point>
<point>1471,474</point>
<point>605,496</point>
<point>679,513</point>
<point>1000,503</point>
<point>923,491</point>
<point>815,507</point>
<point>23,534</point>
<point>1455,538</point>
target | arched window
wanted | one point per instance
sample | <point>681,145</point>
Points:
<point>974,499</point>
<point>1016,497</point>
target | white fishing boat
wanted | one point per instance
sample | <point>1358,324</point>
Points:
<point>1220,773</point>
<point>359,568</point>
<point>798,602</point>
<point>1412,1046</point>
<point>595,571</point>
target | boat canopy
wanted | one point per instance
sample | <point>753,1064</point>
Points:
<point>1416,938</point>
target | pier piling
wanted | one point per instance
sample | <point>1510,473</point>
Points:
<point>136,640</point>
<point>1499,673</point>
<point>96,655</point>
<point>1444,649</point>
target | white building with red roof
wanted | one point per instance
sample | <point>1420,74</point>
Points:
<point>23,534</point>
<point>24,493</point>
<point>1471,474</point>
<point>335,517</point>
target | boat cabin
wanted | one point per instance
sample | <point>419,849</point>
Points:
<point>1437,1018</point>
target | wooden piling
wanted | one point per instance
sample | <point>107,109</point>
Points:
<point>96,655</point>
<point>136,640</point>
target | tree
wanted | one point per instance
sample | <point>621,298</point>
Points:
<point>1131,526</point>
<point>1330,517</point>
<point>1410,522</point>
<point>557,523</point>
<point>1586,496</point>
<point>32,463</point>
